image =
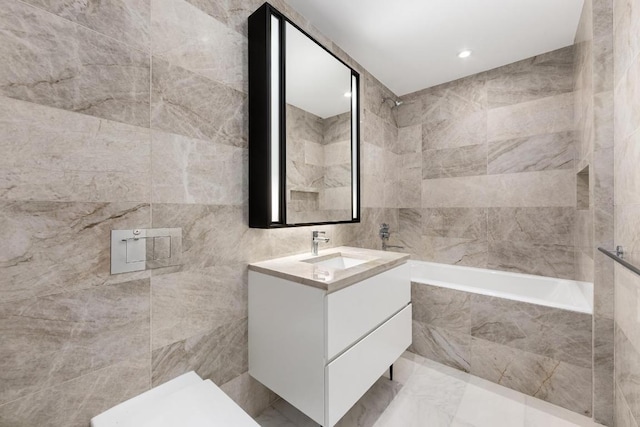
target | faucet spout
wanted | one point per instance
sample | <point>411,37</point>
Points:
<point>316,238</point>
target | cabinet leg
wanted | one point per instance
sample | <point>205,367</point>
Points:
<point>391,372</point>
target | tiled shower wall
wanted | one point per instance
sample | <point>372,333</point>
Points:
<point>487,169</point>
<point>125,114</point>
<point>626,18</point>
<point>593,90</point>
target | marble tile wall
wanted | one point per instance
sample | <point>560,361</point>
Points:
<point>540,351</point>
<point>127,114</point>
<point>626,152</point>
<point>593,122</point>
<point>487,169</point>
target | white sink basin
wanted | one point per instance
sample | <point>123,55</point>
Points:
<point>339,262</point>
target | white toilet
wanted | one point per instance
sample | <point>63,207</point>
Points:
<point>186,401</point>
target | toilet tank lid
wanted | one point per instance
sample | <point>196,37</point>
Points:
<point>149,399</point>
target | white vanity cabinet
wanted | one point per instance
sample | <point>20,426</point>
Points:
<point>321,350</point>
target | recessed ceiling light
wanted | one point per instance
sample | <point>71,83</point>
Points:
<point>347,94</point>
<point>464,54</point>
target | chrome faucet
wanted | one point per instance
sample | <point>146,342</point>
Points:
<point>318,236</point>
<point>384,234</point>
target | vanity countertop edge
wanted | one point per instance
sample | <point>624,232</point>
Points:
<point>297,268</point>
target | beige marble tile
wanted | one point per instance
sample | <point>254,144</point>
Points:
<point>249,394</point>
<point>561,335</point>
<point>622,414</point>
<point>124,20</point>
<point>410,139</point>
<point>188,104</point>
<point>531,189</point>
<point>233,13</point>
<point>627,313</point>
<point>468,223</point>
<point>454,99</point>
<point>538,77</point>
<point>375,130</point>
<point>626,15</point>
<point>627,367</point>
<point>455,132</point>
<point>532,258</point>
<point>535,153</point>
<point>187,170</point>
<point>220,355</point>
<point>51,61</point>
<point>186,36</point>
<point>534,225</point>
<point>627,112</point>
<point>336,128</point>
<point>187,303</point>
<point>441,307</point>
<point>547,115</point>
<point>75,402</point>
<point>627,173</point>
<point>409,187</point>
<point>627,227</point>
<point>464,161</point>
<point>61,156</point>
<point>557,382</point>
<point>52,339</point>
<point>442,345</point>
<point>409,231</point>
<point>52,247</point>
<point>203,245</point>
<point>603,370</point>
<point>455,251</point>
<point>336,153</point>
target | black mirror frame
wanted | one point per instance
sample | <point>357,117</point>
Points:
<point>260,200</point>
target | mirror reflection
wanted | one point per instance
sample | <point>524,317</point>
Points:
<point>318,133</point>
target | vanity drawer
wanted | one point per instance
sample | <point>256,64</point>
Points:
<point>354,372</point>
<point>355,311</point>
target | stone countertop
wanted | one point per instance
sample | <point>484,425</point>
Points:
<point>301,268</point>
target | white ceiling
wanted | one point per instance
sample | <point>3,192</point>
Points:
<point>316,81</point>
<point>413,44</point>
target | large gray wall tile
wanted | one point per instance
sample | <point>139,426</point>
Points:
<point>124,20</point>
<point>53,247</point>
<point>61,156</point>
<point>51,61</point>
<point>188,104</point>
<point>52,339</point>
<point>552,332</point>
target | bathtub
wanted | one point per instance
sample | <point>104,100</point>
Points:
<point>547,291</point>
<point>529,333</point>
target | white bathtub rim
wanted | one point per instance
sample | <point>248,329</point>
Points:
<point>584,287</point>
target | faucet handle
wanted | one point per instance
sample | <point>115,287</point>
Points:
<point>316,233</point>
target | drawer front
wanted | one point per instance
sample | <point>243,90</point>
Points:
<point>349,376</point>
<point>355,311</point>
